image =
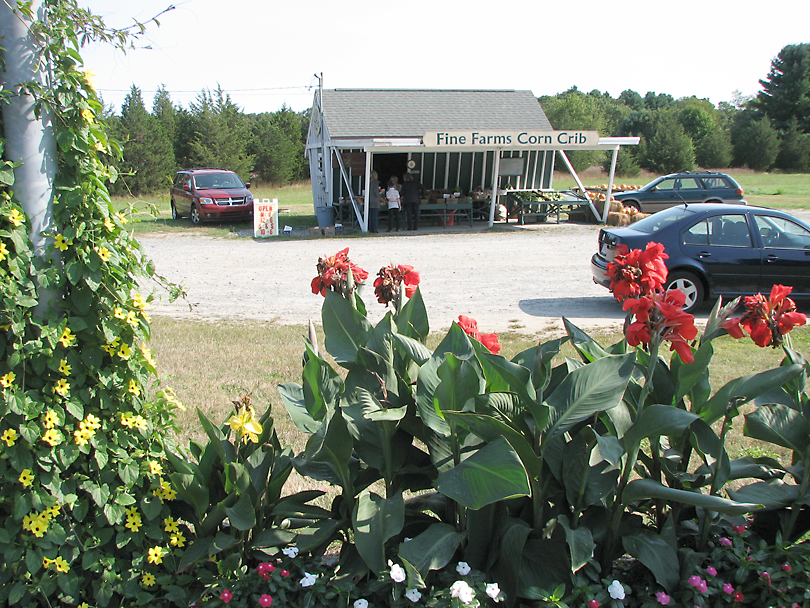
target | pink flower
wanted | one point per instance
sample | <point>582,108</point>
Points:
<point>226,596</point>
<point>266,601</point>
<point>662,598</point>
<point>738,597</point>
<point>725,542</point>
<point>264,570</point>
<point>739,529</point>
<point>786,567</point>
<point>765,576</point>
<point>711,571</point>
<point>728,588</point>
<point>285,573</point>
<point>698,583</point>
<point>593,604</point>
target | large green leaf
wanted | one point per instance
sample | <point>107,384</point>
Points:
<point>331,446</point>
<point>460,382</point>
<point>432,549</point>
<point>773,494</point>
<point>321,385</point>
<point>510,557</point>
<point>493,473</point>
<point>242,515</point>
<point>375,520</point>
<point>779,424</point>
<point>586,346</point>
<point>543,567</point>
<point>639,489</point>
<point>655,553</point>
<point>373,428</point>
<point>595,387</point>
<point>346,329</point>
<point>413,319</point>
<point>657,420</point>
<point>519,380</point>
<point>743,389</point>
<point>416,351</point>
<point>689,374</point>
<point>580,544</point>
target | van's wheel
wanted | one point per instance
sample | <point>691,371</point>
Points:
<point>690,285</point>
<point>195,215</point>
<point>175,215</point>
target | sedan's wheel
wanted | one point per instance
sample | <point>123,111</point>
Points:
<point>195,215</point>
<point>690,285</point>
<point>175,215</point>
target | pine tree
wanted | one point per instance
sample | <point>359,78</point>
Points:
<point>670,148</point>
<point>786,90</point>
<point>165,116</point>
<point>757,145</point>
<point>794,150</point>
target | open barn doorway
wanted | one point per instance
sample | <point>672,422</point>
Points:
<point>387,165</point>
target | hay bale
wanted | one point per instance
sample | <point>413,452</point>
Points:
<point>638,216</point>
<point>616,206</point>
<point>614,219</point>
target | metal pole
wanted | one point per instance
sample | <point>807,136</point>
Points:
<point>28,139</point>
<point>495,186</point>
<point>609,192</point>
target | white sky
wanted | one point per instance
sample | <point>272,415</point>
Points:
<point>264,53</point>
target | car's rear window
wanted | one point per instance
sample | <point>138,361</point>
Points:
<point>209,181</point>
<point>662,219</point>
<point>715,183</point>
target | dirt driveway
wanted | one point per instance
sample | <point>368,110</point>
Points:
<point>519,278</point>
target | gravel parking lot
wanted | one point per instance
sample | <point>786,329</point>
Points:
<point>523,278</point>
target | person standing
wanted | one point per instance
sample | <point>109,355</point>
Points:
<point>394,204</point>
<point>412,192</point>
<point>373,203</point>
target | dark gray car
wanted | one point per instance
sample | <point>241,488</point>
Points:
<point>684,187</point>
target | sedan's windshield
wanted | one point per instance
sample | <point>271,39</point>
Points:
<point>662,219</point>
<point>215,181</point>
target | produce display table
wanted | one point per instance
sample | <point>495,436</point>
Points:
<point>542,204</point>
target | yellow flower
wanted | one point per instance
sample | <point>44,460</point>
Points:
<point>156,555</point>
<point>50,419</point>
<point>134,388</point>
<point>177,539</point>
<point>90,79</point>
<point>29,521</point>
<point>108,224</point>
<point>147,580</point>
<point>244,422</point>
<point>169,525</point>
<point>82,436</point>
<point>121,217</point>
<point>39,526</point>
<point>165,491</point>
<point>138,422</point>
<point>46,563</point>
<point>26,478</point>
<point>62,387</point>
<point>134,523</point>
<point>99,146</point>
<point>3,251</point>
<point>111,347</point>
<point>15,217</point>
<point>67,338</point>
<point>9,436</point>
<point>92,422</point>
<point>147,355</point>
<point>87,115</point>
<point>125,351</point>
<point>60,243</point>
<point>132,318</point>
<point>52,437</point>
<point>119,313</point>
<point>155,468</point>
<point>64,368</point>
<point>52,511</point>
<point>84,605</point>
<point>103,253</point>
<point>61,564</point>
<point>138,302</point>
<point>7,380</point>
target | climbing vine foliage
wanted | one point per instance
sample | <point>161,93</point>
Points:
<point>85,502</point>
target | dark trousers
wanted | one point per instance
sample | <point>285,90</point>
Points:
<point>412,215</point>
<point>393,219</point>
<point>373,218</point>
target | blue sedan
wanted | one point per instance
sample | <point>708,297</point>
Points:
<point>718,249</point>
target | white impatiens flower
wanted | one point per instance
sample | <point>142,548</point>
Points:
<point>493,590</point>
<point>290,552</point>
<point>397,573</point>
<point>463,568</point>
<point>462,591</point>
<point>413,595</point>
<point>308,580</point>
<point>361,603</point>
<point>616,590</point>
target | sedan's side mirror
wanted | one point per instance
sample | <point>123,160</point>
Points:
<point>247,185</point>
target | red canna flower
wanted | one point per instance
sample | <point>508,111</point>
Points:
<point>470,327</point>
<point>333,274</point>
<point>389,280</point>
<point>767,320</point>
<point>660,316</point>
<point>637,273</point>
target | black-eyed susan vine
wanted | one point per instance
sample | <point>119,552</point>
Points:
<point>86,505</point>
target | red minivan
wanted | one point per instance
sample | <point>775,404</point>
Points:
<point>210,194</point>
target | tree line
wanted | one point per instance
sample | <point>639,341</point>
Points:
<point>212,132</point>
<point>768,131</point>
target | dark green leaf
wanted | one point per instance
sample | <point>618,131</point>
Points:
<point>432,549</point>
<point>242,515</point>
<point>639,489</point>
<point>655,553</point>
<point>375,520</point>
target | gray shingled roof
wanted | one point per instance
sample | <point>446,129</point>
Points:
<point>365,113</point>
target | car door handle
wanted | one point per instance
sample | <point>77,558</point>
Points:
<point>704,254</point>
<point>771,258</point>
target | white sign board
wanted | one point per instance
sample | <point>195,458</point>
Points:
<point>265,218</point>
<point>514,140</point>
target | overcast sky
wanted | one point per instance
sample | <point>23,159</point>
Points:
<point>264,53</point>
